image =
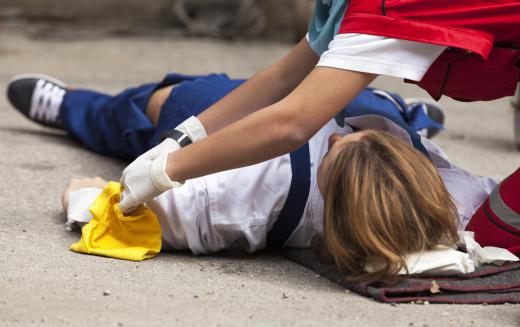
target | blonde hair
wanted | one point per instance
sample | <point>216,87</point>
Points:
<point>383,200</point>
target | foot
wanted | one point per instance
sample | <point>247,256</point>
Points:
<point>38,97</point>
<point>434,110</point>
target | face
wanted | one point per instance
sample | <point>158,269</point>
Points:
<point>336,143</point>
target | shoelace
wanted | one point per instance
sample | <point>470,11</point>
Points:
<point>46,101</point>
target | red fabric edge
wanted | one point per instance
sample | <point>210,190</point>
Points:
<point>498,288</point>
<point>400,28</point>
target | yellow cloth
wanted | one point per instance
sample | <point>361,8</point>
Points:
<point>110,233</point>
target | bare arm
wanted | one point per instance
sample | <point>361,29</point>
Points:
<point>275,130</point>
<point>262,90</point>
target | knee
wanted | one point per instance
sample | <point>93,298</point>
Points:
<point>156,102</point>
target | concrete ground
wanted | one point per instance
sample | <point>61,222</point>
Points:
<point>43,283</point>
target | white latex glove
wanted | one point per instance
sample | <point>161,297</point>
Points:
<point>146,177</point>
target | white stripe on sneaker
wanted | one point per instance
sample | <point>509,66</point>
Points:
<point>46,101</point>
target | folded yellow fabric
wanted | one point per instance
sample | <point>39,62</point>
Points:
<point>112,234</point>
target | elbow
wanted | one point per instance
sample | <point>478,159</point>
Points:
<point>293,142</point>
<point>290,135</point>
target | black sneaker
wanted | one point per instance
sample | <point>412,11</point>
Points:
<point>37,97</point>
<point>434,110</point>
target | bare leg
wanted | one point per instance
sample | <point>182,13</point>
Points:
<point>156,102</point>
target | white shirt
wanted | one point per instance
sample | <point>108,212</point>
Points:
<point>210,213</point>
<point>381,55</point>
<point>468,191</point>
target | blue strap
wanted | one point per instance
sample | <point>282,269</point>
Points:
<point>292,211</point>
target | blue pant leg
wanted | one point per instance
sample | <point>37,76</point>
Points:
<point>410,119</point>
<point>114,125</point>
<point>190,98</point>
<point>110,125</point>
<point>369,103</point>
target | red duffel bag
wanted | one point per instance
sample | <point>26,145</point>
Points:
<point>497,221</point>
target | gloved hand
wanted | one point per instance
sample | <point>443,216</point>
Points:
<point>146,177</point>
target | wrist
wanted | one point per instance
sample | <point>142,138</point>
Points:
<point>171,170</point>
<point>159,176</point>
<point>175,136</point>
<point>193,128</point>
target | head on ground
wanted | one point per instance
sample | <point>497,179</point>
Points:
<point>383,201</point>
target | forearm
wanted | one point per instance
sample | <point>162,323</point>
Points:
<point>264,89</point>
<point>229,147</point>
<point>273,131</point>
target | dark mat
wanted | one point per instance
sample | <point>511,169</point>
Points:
<point>488,284</point>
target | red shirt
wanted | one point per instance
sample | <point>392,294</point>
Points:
<point>483,58</point>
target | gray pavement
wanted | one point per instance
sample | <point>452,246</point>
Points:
<point>42,283</point>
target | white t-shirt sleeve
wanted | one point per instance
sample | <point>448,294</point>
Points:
<point>380,55</point>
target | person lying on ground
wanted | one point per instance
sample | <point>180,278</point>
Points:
<point>366,182</point>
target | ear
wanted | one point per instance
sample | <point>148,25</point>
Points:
<point>333,139</point>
